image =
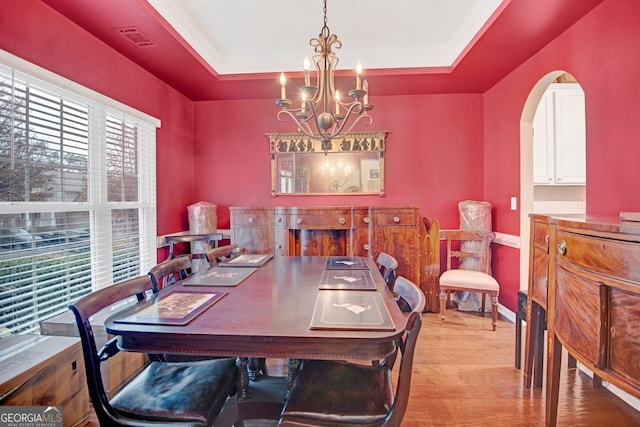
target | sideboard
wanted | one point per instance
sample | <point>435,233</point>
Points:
<point>344,231</point>
<point>592,299</point>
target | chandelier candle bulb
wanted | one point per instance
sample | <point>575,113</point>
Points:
<point>283,81</point>
<point>306,64</point>
<point>365,87</point>
<point>358,76</point>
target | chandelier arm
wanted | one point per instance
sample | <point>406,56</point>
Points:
<point>303,126</point>
<point>347,116</point>
<point>360,117</point>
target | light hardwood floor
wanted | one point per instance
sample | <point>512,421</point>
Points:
<point>464,375</point>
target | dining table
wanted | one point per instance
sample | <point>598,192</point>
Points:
<point>282,309</point>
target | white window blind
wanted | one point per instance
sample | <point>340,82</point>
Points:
<point>77,196</point>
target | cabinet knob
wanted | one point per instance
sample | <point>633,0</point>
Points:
<point>396,219</point>
<point>562,247</point>
<point>342,221</point>
<point>278,246</point>
<point>366,246</point>
<point>299,221</point>
<point>278,219</point>
<point>250,220</point>
<point>366,220</point>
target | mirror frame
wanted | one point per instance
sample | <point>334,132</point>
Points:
<point>294,144</point>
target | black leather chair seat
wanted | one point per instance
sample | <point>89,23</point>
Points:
<point>341,393</point>
<point>177,390</point>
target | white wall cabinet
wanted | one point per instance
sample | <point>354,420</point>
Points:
<point>559,152</point>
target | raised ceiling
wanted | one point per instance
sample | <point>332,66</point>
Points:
<point>223,49</point>
<point>249,36</point>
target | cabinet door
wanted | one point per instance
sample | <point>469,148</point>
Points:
<point>543,151</point>
<point>559,153</point>
<point>253,240</point>
<point>396,233</point>
<point>360,237</point>
<point>252,230</point>
<point>570,150</point>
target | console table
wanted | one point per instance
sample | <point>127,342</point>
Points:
<point>344,231</point>
<point>592,299</point>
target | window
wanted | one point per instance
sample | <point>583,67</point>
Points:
<point>77,194</point>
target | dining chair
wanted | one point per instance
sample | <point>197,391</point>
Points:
<point>169,272</point>
<point>336,393</point>
<point>190,393</point>
<point>388,265</point>
<point>472,251</point>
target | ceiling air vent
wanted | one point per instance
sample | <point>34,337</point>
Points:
<point>135,36</point>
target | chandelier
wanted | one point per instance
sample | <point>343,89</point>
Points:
<point>322,113</point>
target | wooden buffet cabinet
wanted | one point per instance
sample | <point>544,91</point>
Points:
<point>589,283</point>
<point>345,231</point>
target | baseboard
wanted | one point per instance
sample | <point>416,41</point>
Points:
<point>506,313</point>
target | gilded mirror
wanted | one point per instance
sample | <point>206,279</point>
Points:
<point>352,164</point>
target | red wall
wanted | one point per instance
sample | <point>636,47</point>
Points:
<point>600,51</point>
<point>433,158</point>
<point>33,31</point>
<point>441,148</point>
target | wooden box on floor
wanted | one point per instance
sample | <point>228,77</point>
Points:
<point>44,371</point>
<point>118,369</point>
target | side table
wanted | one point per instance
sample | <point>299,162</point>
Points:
<point>190,238</point>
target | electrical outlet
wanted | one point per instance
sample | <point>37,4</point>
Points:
<point>514,203</point>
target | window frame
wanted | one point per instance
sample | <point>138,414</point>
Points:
<point>97,204</point>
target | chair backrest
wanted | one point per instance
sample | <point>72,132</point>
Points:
<point>414,296</point>
<point>169,271</point>
<point>474,246</point>
<point>406,291</point>
<point>213,255</point>
<point>388,265</point>
<point>83,309</point>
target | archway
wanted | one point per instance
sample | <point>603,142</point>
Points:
<point>526,167</point>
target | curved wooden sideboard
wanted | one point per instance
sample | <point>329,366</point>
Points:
<point>345,231</point>
<point>593,300</point>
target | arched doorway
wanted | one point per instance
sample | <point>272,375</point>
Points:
<point>527,170</point>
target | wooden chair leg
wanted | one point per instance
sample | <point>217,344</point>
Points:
<point>494,310</point>
<point>443,303</point>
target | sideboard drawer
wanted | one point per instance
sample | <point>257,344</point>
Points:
<point>396,218</point>
<point>320,221</point>
<point>613,258</point>
<point>252,220</point>
<point>280,220</point>
<point>361,218</point>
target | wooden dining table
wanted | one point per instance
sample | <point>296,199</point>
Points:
<point>267,315</point>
